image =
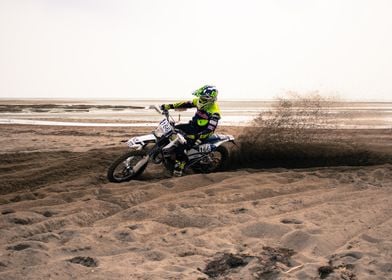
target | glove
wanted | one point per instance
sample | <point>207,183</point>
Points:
<point>198,142</point>
<point>165,107</point>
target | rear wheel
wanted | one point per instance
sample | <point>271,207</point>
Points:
<point>215,161</point>
<point>122,169</point>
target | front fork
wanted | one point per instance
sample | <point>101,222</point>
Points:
<point>156,153</point>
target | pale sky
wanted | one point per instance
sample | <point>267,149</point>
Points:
<point>249,49</point>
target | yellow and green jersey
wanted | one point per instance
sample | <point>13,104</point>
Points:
<point>205,120</point>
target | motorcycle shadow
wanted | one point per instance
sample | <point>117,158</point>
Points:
<point>159,172</point>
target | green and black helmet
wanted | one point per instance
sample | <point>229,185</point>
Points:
<point>207,95</point>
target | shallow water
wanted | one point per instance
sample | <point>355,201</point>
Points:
<point>136,113</point>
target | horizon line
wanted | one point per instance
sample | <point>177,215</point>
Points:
<point>170,99</point>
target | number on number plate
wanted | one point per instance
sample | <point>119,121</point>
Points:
<point>206,148</point>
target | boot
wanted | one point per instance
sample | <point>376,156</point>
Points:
<point>178,168</point>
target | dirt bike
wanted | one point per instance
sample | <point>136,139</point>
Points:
<point>159,147</point>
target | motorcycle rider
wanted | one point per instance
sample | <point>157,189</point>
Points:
<point>202,125</point>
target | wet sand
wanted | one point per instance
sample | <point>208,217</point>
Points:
<point>61,219</point>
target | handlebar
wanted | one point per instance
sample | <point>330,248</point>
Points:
<point>162,112</point>
<point>166,113</point>
<point>155,107</point>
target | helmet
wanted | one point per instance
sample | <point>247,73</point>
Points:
<point>207,96</point>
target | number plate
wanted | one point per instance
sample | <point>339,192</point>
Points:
<point>165,126</point>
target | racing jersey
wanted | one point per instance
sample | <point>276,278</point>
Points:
<point>205,120</point>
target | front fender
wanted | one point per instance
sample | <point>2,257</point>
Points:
<point>139,142</point>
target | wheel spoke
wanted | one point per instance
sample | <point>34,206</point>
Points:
<point>122,169</point>
<point>125,169</point>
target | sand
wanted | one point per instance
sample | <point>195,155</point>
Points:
<point>61,219</point>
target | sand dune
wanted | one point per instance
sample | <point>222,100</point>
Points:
<point>61,219</point>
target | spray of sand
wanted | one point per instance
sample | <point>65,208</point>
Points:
<point>300,131</point>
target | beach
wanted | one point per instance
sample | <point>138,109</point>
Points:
<point>321,213</point>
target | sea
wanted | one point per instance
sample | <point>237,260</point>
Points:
<point>139,112</point>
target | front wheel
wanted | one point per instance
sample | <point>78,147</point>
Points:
<point>123,168</point>
<point>215,161</point>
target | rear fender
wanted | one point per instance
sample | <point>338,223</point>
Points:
<point>219,139</point>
